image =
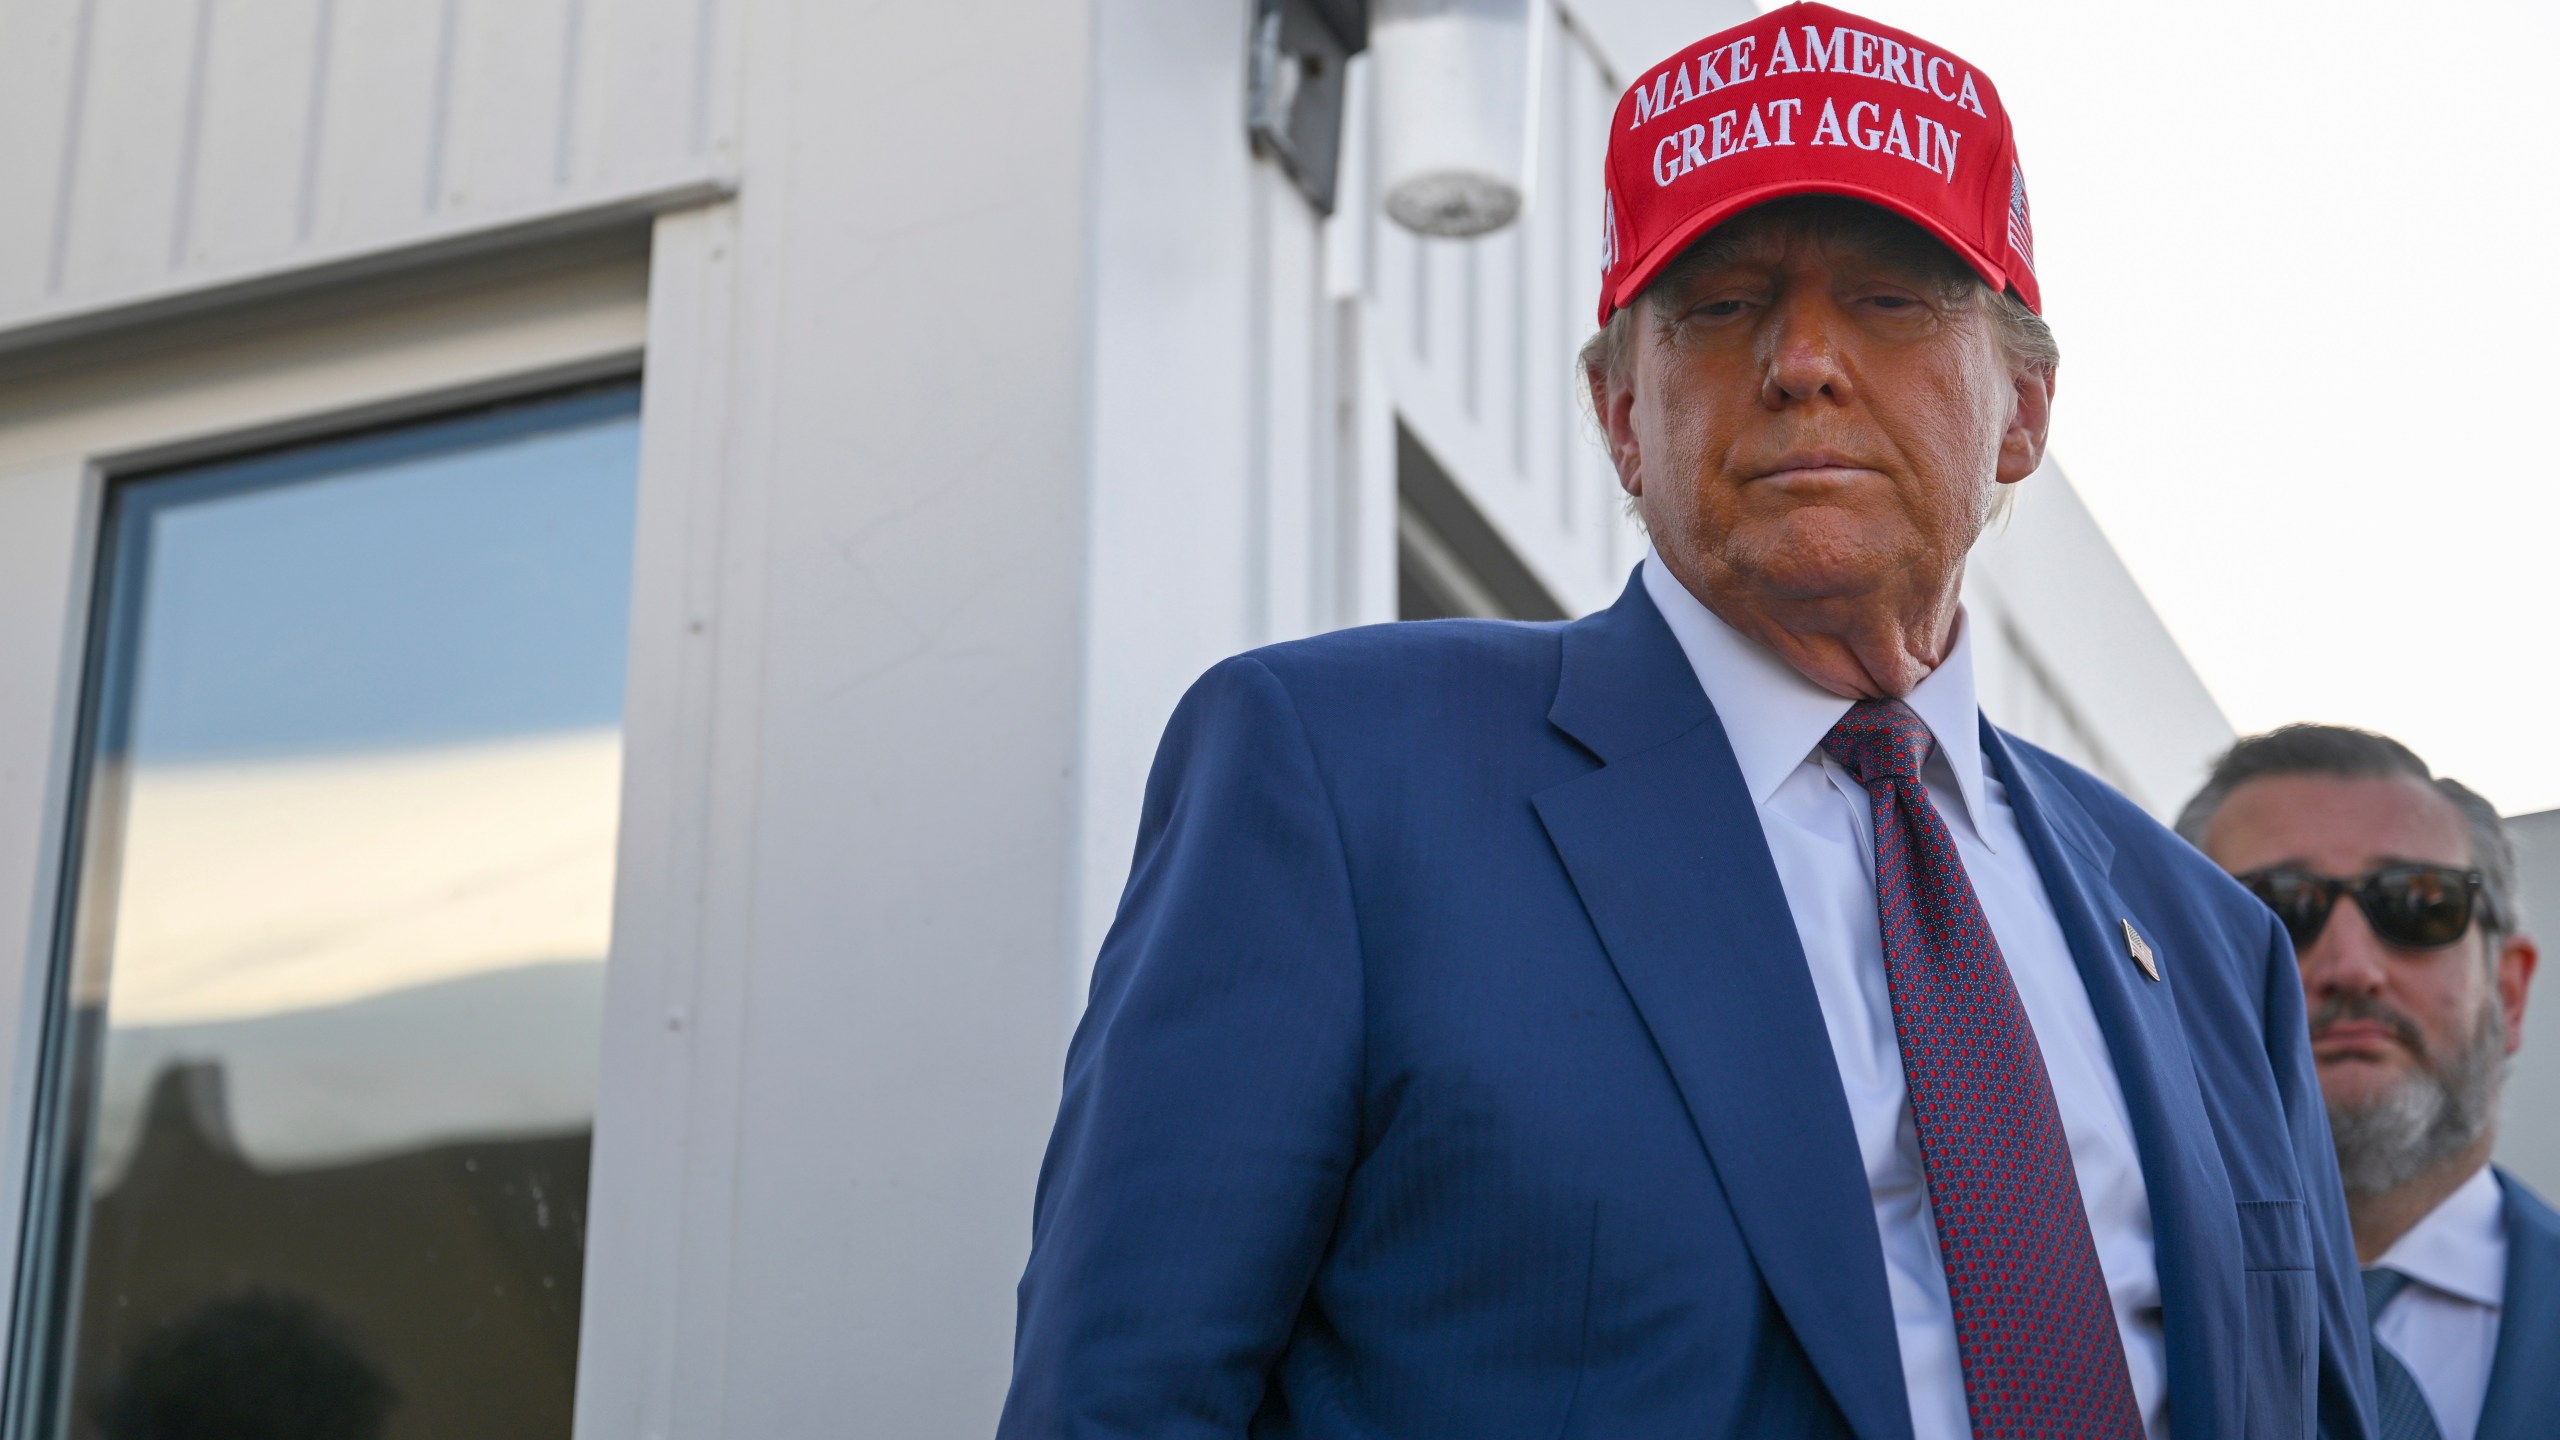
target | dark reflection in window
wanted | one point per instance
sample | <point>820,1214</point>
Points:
<point>259,1364</point>
<point>322,1072</point>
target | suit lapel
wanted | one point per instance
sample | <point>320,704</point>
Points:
<point>1665,848</point>
<point>2524,1378</point>
<point>2195,1229</point>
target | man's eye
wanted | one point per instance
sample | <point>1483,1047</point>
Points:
<point>1721,309</point>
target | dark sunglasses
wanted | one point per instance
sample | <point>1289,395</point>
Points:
<point>2416,907</point>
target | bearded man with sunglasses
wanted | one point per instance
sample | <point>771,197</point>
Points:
<point>2397,887</point>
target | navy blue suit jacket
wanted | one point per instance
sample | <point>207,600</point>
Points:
<point>2524,1378</point>
<point>1453,1069</point>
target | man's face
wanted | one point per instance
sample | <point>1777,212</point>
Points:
<point>1819,416</point>
<point>2382,1018</point>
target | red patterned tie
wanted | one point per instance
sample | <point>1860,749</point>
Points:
<point>2034,1330</point>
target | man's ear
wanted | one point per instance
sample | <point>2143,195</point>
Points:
<point>2022,445</point>
<point>2516,959</point>
<point>1613,403</point>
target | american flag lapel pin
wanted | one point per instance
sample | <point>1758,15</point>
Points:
<point>2140,950</point>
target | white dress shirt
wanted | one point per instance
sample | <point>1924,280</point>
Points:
<point>1820,832</point>
<point>2444,1327</point>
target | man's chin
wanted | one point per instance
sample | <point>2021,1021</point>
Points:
<point>1819,554</point>
<point>2360,1079</point>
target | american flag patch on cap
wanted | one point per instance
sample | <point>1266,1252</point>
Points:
<point>2022,236</point>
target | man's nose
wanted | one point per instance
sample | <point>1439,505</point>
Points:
<point>1800,357</point>
<point>2345,958</point>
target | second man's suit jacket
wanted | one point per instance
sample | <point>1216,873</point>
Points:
<point>2524,1378</point>
<point>1452,1069</point>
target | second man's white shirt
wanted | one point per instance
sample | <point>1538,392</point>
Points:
<point>1820,832</point>
<point>2445,1327</point>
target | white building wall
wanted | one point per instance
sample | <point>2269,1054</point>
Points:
<point>1231,503</point>
<point>2528,1140</point>
<point>1484,332</point>
<point>160,149</point>
<point>843,936</point>
<point>2073,657</point>
<point>846,938</point>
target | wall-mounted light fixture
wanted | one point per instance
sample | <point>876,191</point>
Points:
<point>1301,51</point>
<point>1452,99</point>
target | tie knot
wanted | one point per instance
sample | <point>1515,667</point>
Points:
<point>2380,1286</point>
<point>1879,740</point>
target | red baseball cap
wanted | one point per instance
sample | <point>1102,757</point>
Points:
<point>1808,100</point>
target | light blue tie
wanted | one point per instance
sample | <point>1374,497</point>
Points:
<point>2405,1415</point>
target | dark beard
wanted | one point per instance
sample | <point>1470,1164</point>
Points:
<point>2439,1111</point>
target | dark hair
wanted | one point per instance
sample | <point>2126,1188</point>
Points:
<point>2353,754</point>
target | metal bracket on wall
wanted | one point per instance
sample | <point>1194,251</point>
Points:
<point>1294,74</point>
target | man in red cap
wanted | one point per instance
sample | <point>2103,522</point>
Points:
<point>1695,1019</point>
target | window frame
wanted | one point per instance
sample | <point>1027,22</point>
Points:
<point>105,409</point>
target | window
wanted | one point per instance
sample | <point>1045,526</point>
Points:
<point>328,999</point>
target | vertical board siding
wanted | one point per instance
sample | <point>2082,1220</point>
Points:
<point>1301,478</point>
<point>1486,334</point>
<point>2018,691</point>
<point>1585,99</point>
<point>503,118</point>
<point>372,138</point>
<point>1548,437</point>
<point>150,145</point>
<point>638,88</point>
<point>129,141</point>
<point>1501,339</point>
<point>245,202</point>
<point>1286,292</point>
<point>40,70</point>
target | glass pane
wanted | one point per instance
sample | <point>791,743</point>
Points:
<point>326,1064</point>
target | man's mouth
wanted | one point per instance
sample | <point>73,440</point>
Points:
<point>2363,1032</point>
<point>2354,1038</point>
<point>1800,465</point>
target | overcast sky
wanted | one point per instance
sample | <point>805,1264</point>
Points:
<point>2301,261</point>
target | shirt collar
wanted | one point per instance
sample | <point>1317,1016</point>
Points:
<point>2460,1248</point>
<point>1775,718</point>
